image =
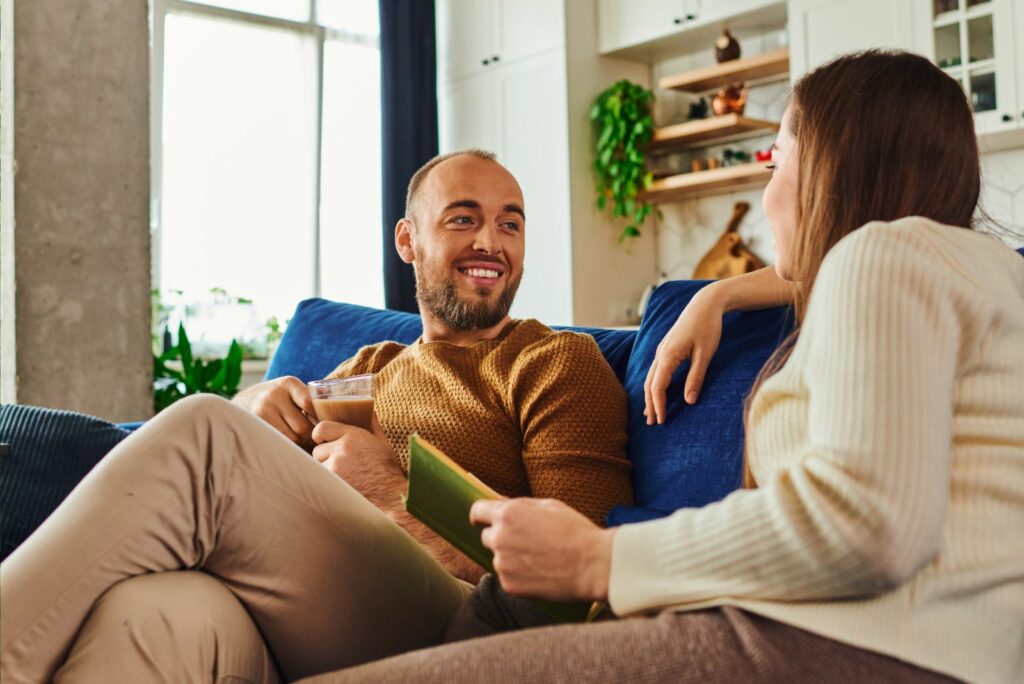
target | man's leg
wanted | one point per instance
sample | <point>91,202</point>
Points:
<point>169,627</point>
<point>329,580</point>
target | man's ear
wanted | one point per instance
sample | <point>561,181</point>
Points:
<point>403,240</point>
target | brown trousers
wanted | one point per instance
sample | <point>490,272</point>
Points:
<point>207,547</point>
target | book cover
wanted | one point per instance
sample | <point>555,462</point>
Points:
<point>440,495</point>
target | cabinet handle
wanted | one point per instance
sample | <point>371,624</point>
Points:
<point>677,21</point>
<point>691,17</point>
<point>495,58</point>
<point>1007,118</point>
<point>485,62</point>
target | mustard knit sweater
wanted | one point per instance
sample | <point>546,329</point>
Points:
<point>532,412</point>
<point>890,456</point>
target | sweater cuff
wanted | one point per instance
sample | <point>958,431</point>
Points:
<point>636,552</point>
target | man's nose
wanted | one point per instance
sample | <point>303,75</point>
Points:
<point>487,239</point>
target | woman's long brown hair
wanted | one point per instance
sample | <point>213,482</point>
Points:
<point>880,136</point>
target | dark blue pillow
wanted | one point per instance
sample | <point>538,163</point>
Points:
<point>50,452</point>
<point>696,457</point>
<point>322,334</point>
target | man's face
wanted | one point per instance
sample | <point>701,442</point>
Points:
<point>468,242</point>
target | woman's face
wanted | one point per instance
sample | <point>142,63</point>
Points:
<point>780,197</point>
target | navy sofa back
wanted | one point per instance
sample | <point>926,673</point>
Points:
<point>693,459</point>
<point>322,334</point>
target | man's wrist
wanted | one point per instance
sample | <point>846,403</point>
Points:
<point>600,565</point>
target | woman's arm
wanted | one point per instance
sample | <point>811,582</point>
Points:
<point>857,510</point>
<point>696,334</point>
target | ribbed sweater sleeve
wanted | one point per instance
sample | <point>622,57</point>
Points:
<point>862,507</point>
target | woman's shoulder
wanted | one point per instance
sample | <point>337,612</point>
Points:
<point>952,256</point>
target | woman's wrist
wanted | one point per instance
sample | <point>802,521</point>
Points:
<point>714,298</point>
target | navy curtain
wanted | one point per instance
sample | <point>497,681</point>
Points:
<point>408,76</point>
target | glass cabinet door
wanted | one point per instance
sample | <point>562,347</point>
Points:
<point>972,41</point>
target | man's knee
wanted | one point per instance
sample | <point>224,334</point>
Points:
<point>177,625</point>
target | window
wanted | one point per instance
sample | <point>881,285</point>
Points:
<point>266,152</point>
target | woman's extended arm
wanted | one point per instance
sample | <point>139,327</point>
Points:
<point>696,334</point>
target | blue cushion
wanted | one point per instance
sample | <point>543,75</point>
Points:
<point>696,456</point>
<point>322,334</point>
<point>50,452</point>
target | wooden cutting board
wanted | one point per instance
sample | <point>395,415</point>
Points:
<point>729,256</point>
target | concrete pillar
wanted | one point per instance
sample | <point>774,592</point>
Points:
<point>81,206</point>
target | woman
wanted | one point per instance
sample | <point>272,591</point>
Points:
<point>883,540</point>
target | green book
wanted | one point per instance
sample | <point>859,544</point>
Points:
<point>440,495</point>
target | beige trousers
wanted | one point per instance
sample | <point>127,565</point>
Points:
<point>207,547</point>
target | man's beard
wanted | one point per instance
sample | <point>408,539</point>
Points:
<point>444,302</point>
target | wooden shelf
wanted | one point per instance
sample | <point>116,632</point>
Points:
<point>768,66</point>
<point>702,183</point>
<point>707,131</point>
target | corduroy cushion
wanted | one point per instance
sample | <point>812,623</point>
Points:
<point>50,452</point>
<point>696,456</point>
<point>323,333</point>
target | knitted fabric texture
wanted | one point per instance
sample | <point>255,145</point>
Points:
<point>532,412</point>
<point>889,454</point>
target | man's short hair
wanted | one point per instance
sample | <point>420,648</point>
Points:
<point>423,171</point>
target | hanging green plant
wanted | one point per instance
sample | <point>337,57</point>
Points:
<point>621,117</point>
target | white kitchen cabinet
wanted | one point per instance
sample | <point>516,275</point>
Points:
<point>468,115</point>
<point>527,110</point>
<point>822,29</point>
<point>510,111</point>
<point>623,23</point>
<point>973,41</point>
<point>475,35</point>
<point>651,29</point>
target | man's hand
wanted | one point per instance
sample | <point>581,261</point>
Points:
<point>285,403</point>
<point>543,548</point>
<point>362,458</point>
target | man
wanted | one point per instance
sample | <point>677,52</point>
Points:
<point>298,568</point>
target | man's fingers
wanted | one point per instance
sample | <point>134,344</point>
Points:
<point>330,431</point>
<point>695,377</point>
<point>322,452</point>
<point>278,423</point>
<point>297,421</point>
<point>299,393</point>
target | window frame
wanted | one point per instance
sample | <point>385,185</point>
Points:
<point>321,34</point>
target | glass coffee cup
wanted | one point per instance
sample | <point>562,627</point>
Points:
<point>344,400</point>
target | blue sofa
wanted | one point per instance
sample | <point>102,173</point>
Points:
<point>691,460</point>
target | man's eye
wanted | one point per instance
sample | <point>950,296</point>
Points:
<point>510,225</point>
<point>462,220</point>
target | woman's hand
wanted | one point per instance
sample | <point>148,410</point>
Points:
<point>545,549</point>
<point>695,336</point>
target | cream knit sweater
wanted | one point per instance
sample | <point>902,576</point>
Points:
<point>890,457</point>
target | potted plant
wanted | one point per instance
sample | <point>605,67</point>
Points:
<point>622,124</point>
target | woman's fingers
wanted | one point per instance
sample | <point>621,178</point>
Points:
<point>695,376</point>
<point>648,397</point>
<point>659,385</point>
